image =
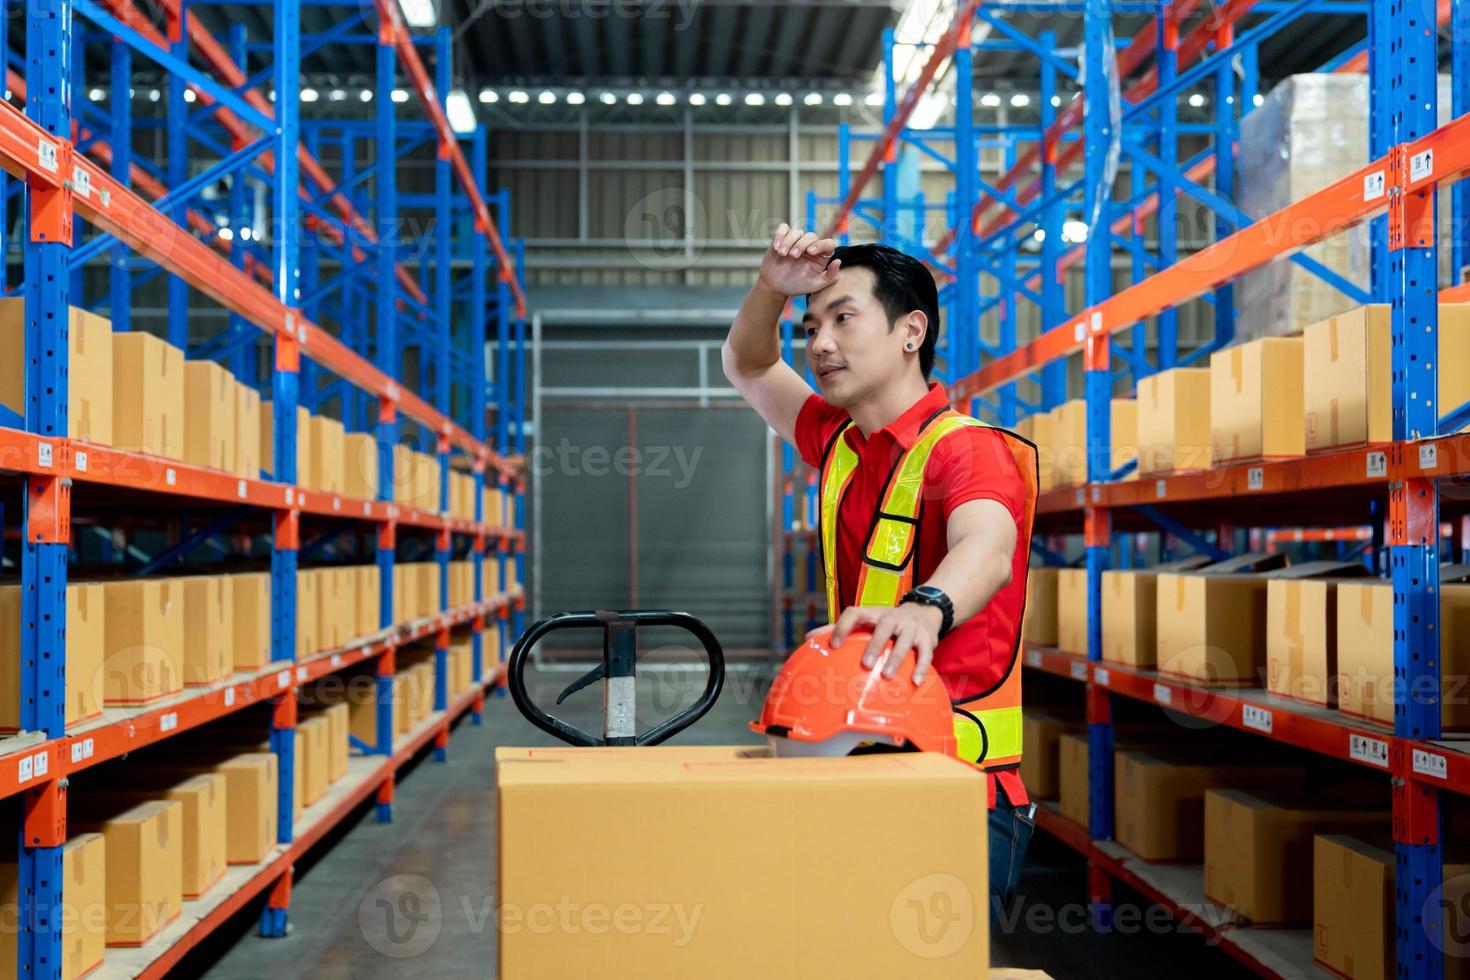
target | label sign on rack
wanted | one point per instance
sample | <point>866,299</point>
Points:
<point>1377,465</point>
<point>168,722</point>
<point>229,697</point>
<point>1375,185</point>
<point>1254,716</point>
<point>1255,478</point>
<point>1431,764</point>
<point>82,750</point>
<point>1033,658</point>
<point>81,181</point>
<point>1163,694</point>
<point>1421,165</point>
<point>46,155</point>
<point>43,455</point>
<point>1101,676</point>
<point>1079,670</point>
<point>1364,748</point>
<point>1160,488</point>
<point>1428,457</point>
<point>81,458</point>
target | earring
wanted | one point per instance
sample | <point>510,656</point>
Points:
<point>908,346</point>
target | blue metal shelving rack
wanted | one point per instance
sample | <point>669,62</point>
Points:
<point>1128,104</point>
<point>215,112</point>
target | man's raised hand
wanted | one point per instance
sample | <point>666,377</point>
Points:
<point>797,262</point>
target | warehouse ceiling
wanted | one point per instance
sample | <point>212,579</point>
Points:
<point>793,45</point>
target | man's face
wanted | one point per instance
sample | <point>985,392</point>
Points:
<point>849,346</point>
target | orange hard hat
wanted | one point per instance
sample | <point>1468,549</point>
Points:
<point>824,702</point>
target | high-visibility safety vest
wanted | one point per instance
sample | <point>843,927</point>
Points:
<point>987,725</point>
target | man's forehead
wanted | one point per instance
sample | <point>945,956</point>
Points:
<point>852,286</point>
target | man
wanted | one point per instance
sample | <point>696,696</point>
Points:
<point>925,513</point>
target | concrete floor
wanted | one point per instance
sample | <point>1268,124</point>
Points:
<point>429,876</point>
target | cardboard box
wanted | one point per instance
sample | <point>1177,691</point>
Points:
<point>1129,612</point>
<point>147,395</point>
<point>145,875</point>
<point>89,370</point>
<point>1068,435</point>
<point>250,794</point>
<point>808,924</point>
<point>1174,421</point>
<point>334,743</point>
<point>308,639</point>
<point>83,917</point>
<point>1366,687</point>
<point>1041,763</point>
<point>360,465</point>
<point>247,432</point>
<point>330,628</point>
<point>1347,393</point>
<point>316,740</point>
<point>1256,402</point>
<point>84,646</point>
<point>361,698</point>
<point>209,628</point>
<point>1038,623</point>
<point>328,456</point>
<point>84,892</point>
<point>210,398</point>
<point>144,640</point>
<point>1072,610</point>
<point>205,821</point>
<point>1211,625</point>
<point>1072,791</point>
<point>430,598</point>
<point>1258,851</point>
<point>1159,798</point>
<point>1352,906</point>
<point>304,447</point>
<point>367,599</point>
<point>250,616</point>
<point>1301,638</point>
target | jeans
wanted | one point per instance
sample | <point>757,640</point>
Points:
<point>1010,833</point>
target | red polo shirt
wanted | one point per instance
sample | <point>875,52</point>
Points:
<point>972,463</point>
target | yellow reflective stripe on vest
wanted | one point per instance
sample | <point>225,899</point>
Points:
<point>892,540</point>
<point>1001,738</point>
<point>842,463</point>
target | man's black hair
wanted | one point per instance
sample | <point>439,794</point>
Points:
<point>902,285</point>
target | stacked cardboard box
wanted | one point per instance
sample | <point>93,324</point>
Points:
<point>1072,610</point>
<point>143,640</point>
<point>144,850</point>
<point>806,926</point>
<point>330,721</point>
<point>251,617</point>
<point>1129,613</point>
<point>147,395</point>
<point>83,921</point>
<point>360,465</point>
<point>1211,623</point>
<point>1366,686</point>
<point>249,453</point>
<point>1038,623</point>
<point>1068,438</point>
<point>1041,762</point>
<point>211,398</point>
<point>308,629</point>
<point>84,653</point>
<point>1347,391</point>
<point>1258,850</point>
<point>1174,421</point>
<point>1301,633</point>
<point>89,370</point>
<point>1159,797</point>
<point>461,583</point>
<point>1256,407</point>
<point>367,599</point>
<point>209,628</point>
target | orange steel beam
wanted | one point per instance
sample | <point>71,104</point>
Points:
<point>391,28</point>
<point>118,210</point>
<point>141,179</point>
<point>1328,212</point>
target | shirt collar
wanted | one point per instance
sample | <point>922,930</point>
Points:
<point>905,428</point>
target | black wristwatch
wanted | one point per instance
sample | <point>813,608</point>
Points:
<point>928,595</point>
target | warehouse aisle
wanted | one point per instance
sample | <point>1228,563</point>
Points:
<point>415,895</point>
